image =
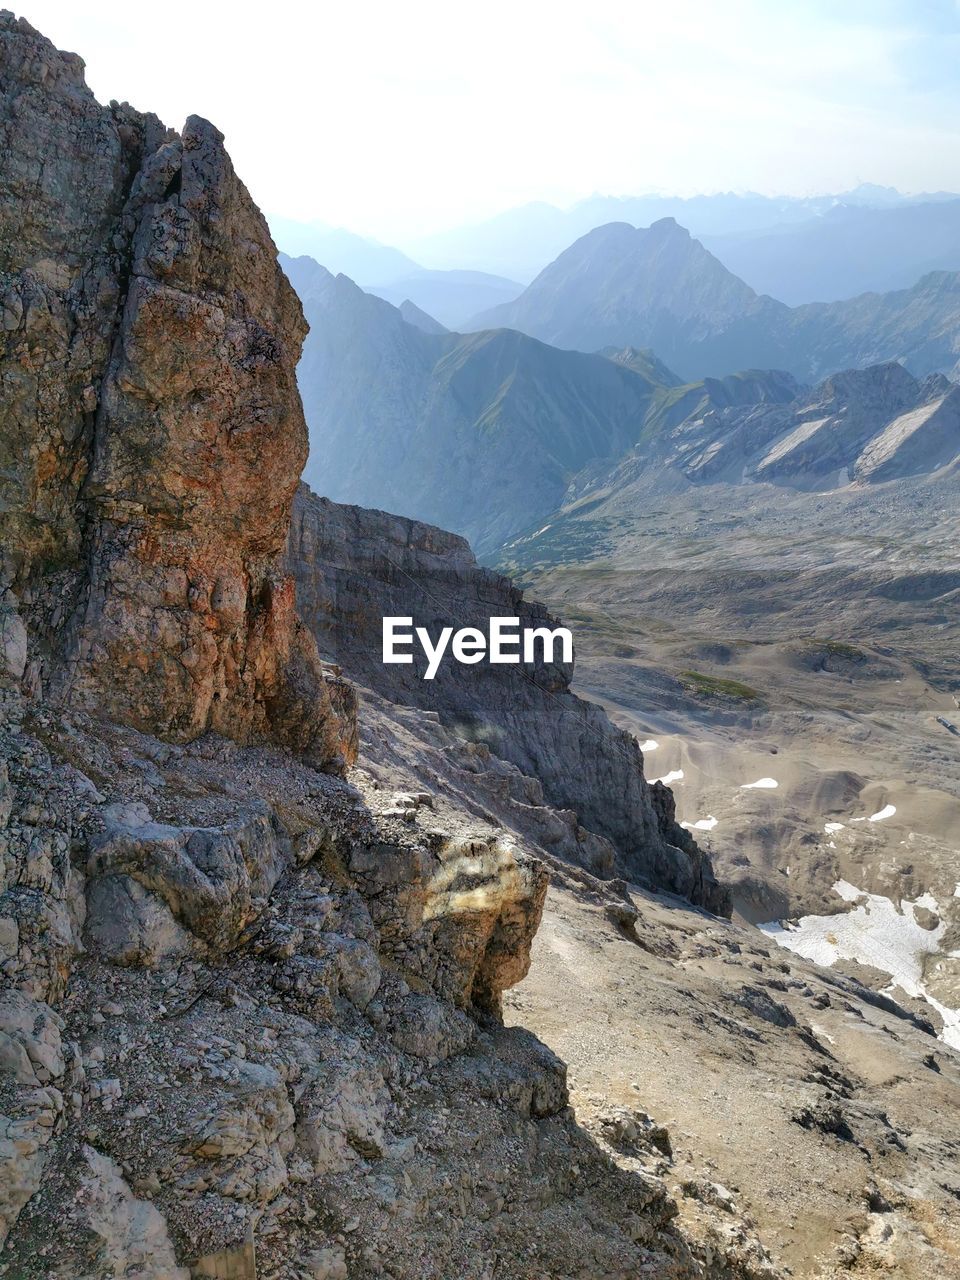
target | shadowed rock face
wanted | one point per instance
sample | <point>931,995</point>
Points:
<point>354,566</point>
<point>151,434</point>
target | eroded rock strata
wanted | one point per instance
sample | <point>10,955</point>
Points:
<point>250,1006</point>
<point>354,566</point>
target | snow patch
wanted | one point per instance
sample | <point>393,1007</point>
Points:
<point>887,811</point>
<point>761,784</point>
<point>675,775</point>
<point>875,933</point>
<point>833,827</point>
<point>702,824</point>
<point>649,745</point>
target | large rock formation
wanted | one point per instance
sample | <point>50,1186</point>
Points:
<point>151,436</point>
<point>250,1016</point>
<point>354,566</point>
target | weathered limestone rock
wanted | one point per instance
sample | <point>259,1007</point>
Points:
<point>212,880</point>
<point>353,566</point>
<point>125,1234</point>
<point>151,435</point>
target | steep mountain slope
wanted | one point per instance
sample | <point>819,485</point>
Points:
<point>353,567</point>
<point>862,424</point>
<point>859,427</point>
<point>919,326</point>
<point>623,286</point>
<point>452,296</point>
<point>846,251</point>
<point>477,432</point>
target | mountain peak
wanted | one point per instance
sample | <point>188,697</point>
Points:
<point>618,285</point>
<point>669,226</point>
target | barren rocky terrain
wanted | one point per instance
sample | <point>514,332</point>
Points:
<point>261,898</point>
<point>793,658</point>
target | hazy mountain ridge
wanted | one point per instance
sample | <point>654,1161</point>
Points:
<point>659,287</point>
<point>845,251</point>
<point>493,433</point>
<point>477,432</point>
<point>520,242</point>
<point>341,250</point>
<point>451,296</point>
<point>620,285</point>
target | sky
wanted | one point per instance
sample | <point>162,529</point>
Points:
<point>396,118</point>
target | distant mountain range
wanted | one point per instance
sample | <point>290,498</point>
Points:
<point>477,433</point>
<point>858,426</point>
<point>815,249</point>
<point>492,433</point>
<point>339,250</point>
<point>845,251</point>
<point>451,297</point>
<point>660,288</point>
<point>745,446</point>
<point>519,242</point>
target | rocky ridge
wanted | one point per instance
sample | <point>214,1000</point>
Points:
<point>858,427</point>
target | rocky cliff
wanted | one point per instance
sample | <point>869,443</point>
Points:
<point>250,1009</point>
<point>151,433</point>
<point>353,567</point>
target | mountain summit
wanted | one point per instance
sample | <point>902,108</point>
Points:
<point>622,285</point>
<point>421,422</point>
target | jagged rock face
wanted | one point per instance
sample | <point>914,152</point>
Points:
<point>152,434</point>
<point>249,1020</point>
<point>353,567</point>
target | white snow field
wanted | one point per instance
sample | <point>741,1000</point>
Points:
<point>877,934</point>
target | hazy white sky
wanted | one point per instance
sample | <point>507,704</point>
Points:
<point>399,117</point>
